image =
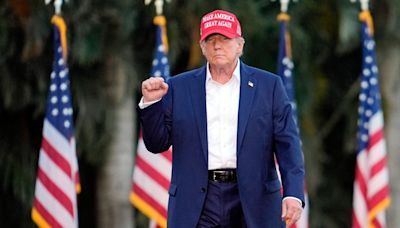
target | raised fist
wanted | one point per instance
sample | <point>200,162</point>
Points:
<point>153,89</point>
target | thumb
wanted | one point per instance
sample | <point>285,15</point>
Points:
<point>284,210</point>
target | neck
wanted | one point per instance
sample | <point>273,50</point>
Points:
<point>222,74</point>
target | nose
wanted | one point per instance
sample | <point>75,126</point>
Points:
<point>217,43</point>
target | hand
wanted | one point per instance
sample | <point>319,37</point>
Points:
<point>153,89</point>
<point>291,211</point>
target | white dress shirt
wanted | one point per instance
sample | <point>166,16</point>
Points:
<point>222,102</point>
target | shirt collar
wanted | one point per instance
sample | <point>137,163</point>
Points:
<point>236,72</point>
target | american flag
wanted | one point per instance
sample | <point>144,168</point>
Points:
<point>152,172</point>
<point>57,182</point>
<point>371,184</point>
<point>285,70</point>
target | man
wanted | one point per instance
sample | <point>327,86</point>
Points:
<point>225,121</point>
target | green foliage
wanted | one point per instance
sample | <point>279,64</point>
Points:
<point>101,33</point>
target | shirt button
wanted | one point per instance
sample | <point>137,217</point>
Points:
<point>203,190</point>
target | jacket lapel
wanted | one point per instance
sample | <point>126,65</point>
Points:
<point>248,86</point>
<point>198,96</point>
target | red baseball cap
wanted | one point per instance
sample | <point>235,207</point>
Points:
<point>221,22</point>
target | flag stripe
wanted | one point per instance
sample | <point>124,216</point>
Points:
<point>167,155</point>
<point>154,203</point>
<point>56,158</point>
<point>151,187</point>
<point>148,210</point>
<point>375,138</point>
<point>57,193</point>
<point>57,140</point>
<point>53,206</point>
<point>44,218</point>
<point>150,171</point>
<point>158,162</point>
<point>56,175</point>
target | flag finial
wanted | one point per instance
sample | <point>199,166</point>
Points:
<point>284,5</point>
<point>364,4</point>
<point>57,5</point>
<point>159,5</point>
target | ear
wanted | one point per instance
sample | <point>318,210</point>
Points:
<point>202,47</point>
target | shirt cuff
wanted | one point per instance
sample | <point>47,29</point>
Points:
<point>143,105</point>
<point>291,197</point>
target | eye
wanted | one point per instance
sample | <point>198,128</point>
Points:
<point>210,39</point>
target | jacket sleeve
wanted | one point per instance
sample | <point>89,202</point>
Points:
<point>156,124</point>
<point>287,144</point>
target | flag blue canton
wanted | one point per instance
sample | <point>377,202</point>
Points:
<point>286,66</point>
<point>369,98</point>
<point>160,66</point>
<point>59,105</point>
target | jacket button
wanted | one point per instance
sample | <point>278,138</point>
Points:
<point>203,190</point>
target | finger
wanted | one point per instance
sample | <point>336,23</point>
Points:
<point>164,85</point>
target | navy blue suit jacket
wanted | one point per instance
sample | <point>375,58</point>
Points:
<point>265,126</point>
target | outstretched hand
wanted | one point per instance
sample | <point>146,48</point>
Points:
<point>153,89</point>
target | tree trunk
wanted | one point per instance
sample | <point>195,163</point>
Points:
<point>389,67</point>
<point>114,179</point>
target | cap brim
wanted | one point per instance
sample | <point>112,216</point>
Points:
<point>218,31</point>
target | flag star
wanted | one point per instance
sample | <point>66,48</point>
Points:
<point>54,99</point>
<point>368,113</point>
<point>155,62</point>
<point>368,59</point>
<point>370,45</point>
<point>285,60</point>
<point>60,62</point>
<point>65,111</point>
<point>52,75</point>
<point>67,124</point>
<point>362,97</point>
<point>374,69</point>
<point>366,125</point>
<point>64,99</point>
<point>161,48</point>
<point>366,72</point>
<point>360,110</point>
<point>364,84</point>
<point>364,137</point>
<point>54,112</point>
<point>373,81</point>
<point>53,87</point>
<point>63,86</point>
<point>287,73</point>
<point>370,100</point>
<point>157,73</point>
<point>59,49</point>
<point>164,60</point>
<point>62,73</point>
